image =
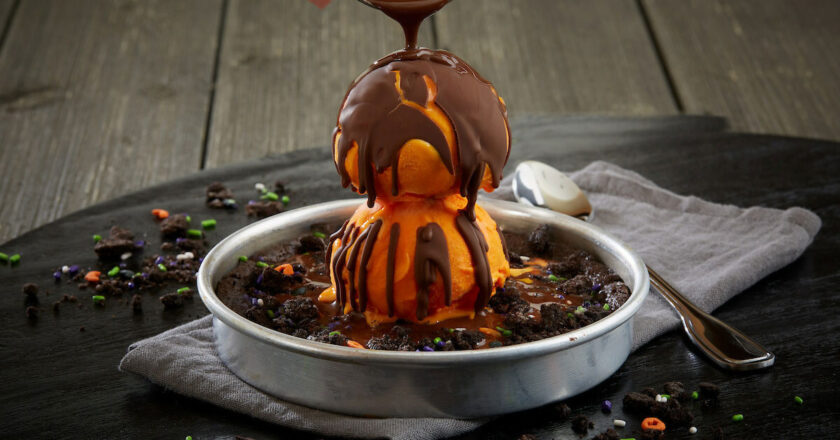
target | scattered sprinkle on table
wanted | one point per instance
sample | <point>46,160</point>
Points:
<point>737,417</point>
<point>692,430</point>
<point>114,271</point>
<point>243,258</point>
<point>653,423</point>
<point>208,224</point>
<point>4,258</point>
<point>285,200</point>
<point>259,187</point>
<point>695,395</point>
<point>319,234</point>
<point>619,423</point>
<point>161,267</point>
<point>160,214</point>
<point>97,238</point>
<point>183,290</point>
<point>606,406</point>
<point>92,276</point>
<point>262,264</point>
<point>98,299</point>
<point>194,233</point>
<point>270,196</point>
<point>798,400</point>
<point>125,256</point>
<point>14,259</point>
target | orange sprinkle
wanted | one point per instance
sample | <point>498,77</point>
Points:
<point>653,423</point>
<point>490,332</point>
<point>92,276</point>
<point>534,261</point>
<point>160,214</point>
<point>354,344</point>
<point>517,272</point>
<point>327,296</point>
<point>285,269</point>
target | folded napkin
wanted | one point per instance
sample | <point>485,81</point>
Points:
<point>708,251</point>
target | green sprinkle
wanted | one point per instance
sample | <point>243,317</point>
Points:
<point>335,332</point>
<point>14,259</point>
<point>553,278</point>
<point>570,315</point>
<point>189,437</point>
<point>798,399</point>
<point>504,331</point>
<point>137,274</point>
<point>695,395</point>
<point>270,196</point>
<point>737,417</point>
<point>437,340</point>
<point>208,224</point>
<point>98,298</point>
<point>4,258</point>
<point>606,307</point>
<point>189,219</point>
<point>194,233</point>
<point>667,396</point>
<point>451,330</point>
<point>183,290</point>
<point>319,234</point>
<point>579,310</point>
<point>243,258</point>
<point>285,200</point>
<point>262,264</point>
<point>162,267</point>
<point>114,271</point>
<point>270,313</point>
<point>97,238</point>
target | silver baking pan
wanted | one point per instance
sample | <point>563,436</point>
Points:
<point>462,384</point>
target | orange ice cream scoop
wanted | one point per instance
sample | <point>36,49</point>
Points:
<point>421,261</point>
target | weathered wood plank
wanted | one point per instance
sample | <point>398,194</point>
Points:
<point>285,66</point>
<point>553,56</point>
<point>98,99</point>
<point>5,10</point>
<point>769,66</point>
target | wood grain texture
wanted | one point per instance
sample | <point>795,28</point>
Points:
<point>284,69</point>
<point>98,99</point>
<point>769,66</point>
<point>560,57</point>
<point>5,10</point>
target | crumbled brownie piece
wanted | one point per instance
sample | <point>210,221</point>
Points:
<point>31,292</point>
<point>263,209</point>
<point>615,294</point>
<point>296,312</point>
<point>563,410</point>
<point>137,303</point>
<point>508,301</point>
<point>279,187</point>
<point>652,434</point>
<point>708,390</point>
<point>465,339</point>
<point>669,412</point>
<point>172,301</point>
<point>514,258</point>
<point>219,197</point>
<point>32,313</point>
<point>119,241</point>
<point>55,307</point>
<point>274,281</point>
<point>677,391</point>
<point>310,243</point>
<point>578,285</point>
<point>649,391</point>
<point>609,434</point>
<point>539,241</point>
<point>581,424</point>
<point>174,226</point>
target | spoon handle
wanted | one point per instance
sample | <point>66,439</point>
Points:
<point>722,343</point>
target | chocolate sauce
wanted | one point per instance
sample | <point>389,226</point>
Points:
<point>478,248</point>
<point>409,14</point>
<point>431,255</point>
<point>366,253</point>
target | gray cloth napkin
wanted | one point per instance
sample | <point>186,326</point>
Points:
<point>710,252</point>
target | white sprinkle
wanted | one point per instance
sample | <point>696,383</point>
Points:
<point>65,269</point>
<point>664,399</point>
<point>260,302</point>
<point>619,423</point>
<point>181,257</point>
<point>524,258</point>
<point>259,187</point>
<point>659,398</point>
<point>189,255</point>
<point>692,430</point>
<point>125,256</point>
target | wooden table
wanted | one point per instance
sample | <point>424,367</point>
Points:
<point>99,98</point>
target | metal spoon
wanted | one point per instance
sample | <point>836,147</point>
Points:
<point>538,184</point>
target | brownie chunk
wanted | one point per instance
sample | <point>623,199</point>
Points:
<point>263,209</point>
<point>172,301</point>
<point>540,242</point>
<point>609,434</point>
<point>137,304</point>
<point>581,424</point>
<point>310,243</point>
<point>119,241</point>
<point>30,290</point>
<point>219,197</point>
<point>508,301</point>
<point>174,226</point>
<point>669,412</point>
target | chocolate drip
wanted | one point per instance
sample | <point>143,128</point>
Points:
<point>504,244</point>
<point>389,271</point>
<point>366,253</point>
<point>409,14</point>
<point>333,237</point>
<point>478,248</point>
<point>339,261</point>
<point>431,255</point>
<point>373,115</point>
<point>351,267</point>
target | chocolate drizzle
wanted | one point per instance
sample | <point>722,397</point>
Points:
<point>478,252</point>
<point>366,253</point>
<point>431,255</point>
<point>374,117</point>
<point>409,14</point>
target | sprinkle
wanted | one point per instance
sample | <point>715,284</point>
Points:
<point>160,214</point>
<point>653,423</point>
<point>183,290</point>
<point>97,238</point>
<point>98,299</point>
<point>262,264</point>
<point>798,400</point>
<point>259,187</point>
<point>4,258</point>
<point>490,332</point>
<point>666,396</point>
<point>243,258</point>
<point>427,348</point>
<point>74,269</point>
<point>692,430</point>
<point>319,234</point>
<point>270,313</point>
<point>553,278</point>
<point>579,310</point>
<point>438,340</point>
<point>596,287</point>
<point>159,260</point>
<point>504,331</point>
<point>270,196</point>
<point>619,423</point>
<point>161,267</point>
<point>173,263</point>
<point>354,344</point>
<point>607,307</point>
<point>125,256</point>
<point>285,269</point>
<point>737,417</point>
<point>629,438</point>
<point>335,332</point>
<point>606,406</point>
<point>495,344</point>
<point>14,259</point>
<point>695,395</point>
<point>65,269</point>
<point>189,437</point>
<point>92,276</point>
<point>114,271</point>
<point>208,224</point>
<point>524,258</point>
<point>57,275</point>
<point>229,203</point>
<point>259,279</point>
<point>194,233</point>
<point>131,284</point>
<point>260,302</point>
<point>180,240</point>
<point>285,200</point>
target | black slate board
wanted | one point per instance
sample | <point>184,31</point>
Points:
<point>59,382</point>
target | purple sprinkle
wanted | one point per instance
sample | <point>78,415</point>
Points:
<point>606,406</point>
<point>253,301</point>
<point>251,202</point>
<point>596,287</point>
<point>123,265</point>
<point>500,289</point>
<point>74,269</point>
<point>261,259</point>
<point>597,304</point>
<point>180,240</point>
<point>417,349</point>
<point>159,260</point>
<point>145,275</point>
<point>427,348</point>
<point>131,284</point>
<point>441,343</point>
<point>260,279</point>
<point>57,275</point>
<point>173,263</point>
<point>200,259</point>
<point>139,243</point>
<point>561,297</point>
<point>258,292</point>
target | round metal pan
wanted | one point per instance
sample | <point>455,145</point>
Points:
<point>458,384</point>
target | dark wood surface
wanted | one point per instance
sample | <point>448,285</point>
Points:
<point>59,382</point>
<point>101,97</point>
